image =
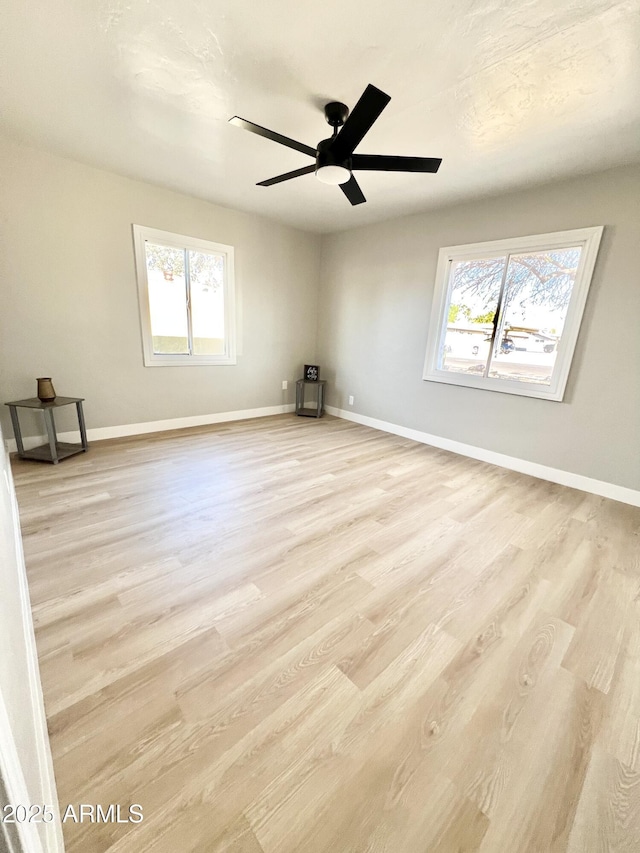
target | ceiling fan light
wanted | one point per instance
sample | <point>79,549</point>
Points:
<point>333,174</point>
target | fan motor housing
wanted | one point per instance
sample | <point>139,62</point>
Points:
<point>326,157</point>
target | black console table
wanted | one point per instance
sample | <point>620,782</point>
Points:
<point>54,450</point>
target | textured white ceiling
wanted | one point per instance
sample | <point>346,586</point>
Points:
<point>508,92</point>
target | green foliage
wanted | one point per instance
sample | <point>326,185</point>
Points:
<point>487,317</point>
<point>458,311</point>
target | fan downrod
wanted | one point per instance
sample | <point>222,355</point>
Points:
<point>336,113</point>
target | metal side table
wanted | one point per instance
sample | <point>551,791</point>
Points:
<point>54,450</point>
<point>306,412</point>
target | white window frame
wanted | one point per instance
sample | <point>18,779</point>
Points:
<point>587,238</point>
<point>141,234</point>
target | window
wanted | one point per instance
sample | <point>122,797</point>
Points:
<point>186,294</point>
<point>506,314</point>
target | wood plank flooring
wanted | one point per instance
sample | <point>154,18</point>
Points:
<point>295,635</point>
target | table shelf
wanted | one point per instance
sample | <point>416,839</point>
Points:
<point>43,452</point>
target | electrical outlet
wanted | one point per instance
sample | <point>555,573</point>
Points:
<point>285,384</point>
<point>351,399</point>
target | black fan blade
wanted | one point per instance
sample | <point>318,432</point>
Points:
<point>374,162</point>
<point>366,111</point>
<point>271,134</point>
<point>352,191</point>
<point>287,176</point>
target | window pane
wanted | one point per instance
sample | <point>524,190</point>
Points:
<point>167,299</point>
<point>473,300</point>
<point>537,293</point>
<point>207,302</point>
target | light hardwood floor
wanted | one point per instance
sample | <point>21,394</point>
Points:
<point>294,635</point>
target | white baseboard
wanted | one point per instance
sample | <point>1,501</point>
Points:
<point>101,433</point>
<point>523,466</point>
<point>513,463</point>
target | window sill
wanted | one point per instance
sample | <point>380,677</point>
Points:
<point>188,361</point>
<point>503,386</point>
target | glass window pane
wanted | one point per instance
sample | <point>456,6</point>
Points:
<point>537,292</point>
<point>167,299</point>
<point>207,302</point>
<point>473,300</point>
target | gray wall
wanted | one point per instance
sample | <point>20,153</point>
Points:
<point>69,305</point>
<point>69,310</point>
<point>375,301</point>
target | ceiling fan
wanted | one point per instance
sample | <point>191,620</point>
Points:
<point>335,161</point>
